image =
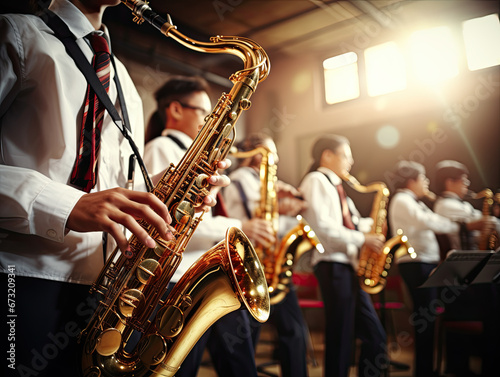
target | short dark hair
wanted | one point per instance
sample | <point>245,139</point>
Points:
<point>405,171</point>
<point>176,88</point>
<point>326,142</point>
<point>252,141</point>
<point>448,169</point>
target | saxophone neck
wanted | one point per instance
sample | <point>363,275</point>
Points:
<point>379,187</point>
<point>256,62</point>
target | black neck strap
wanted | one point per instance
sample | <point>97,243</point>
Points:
<point>329,180</point>
<point>177,141</point>
<point>62,32</point>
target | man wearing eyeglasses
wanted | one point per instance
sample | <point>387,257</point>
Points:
<point>183,103</point>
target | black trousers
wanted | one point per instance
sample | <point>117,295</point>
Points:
<point>40,333</point>
<point>423,318</point>
<point>349,314</point>
<point>288,321</point>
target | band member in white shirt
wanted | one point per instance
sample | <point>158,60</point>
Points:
<point>420,224</point>
<point>479,302</point>
<point>349,310</point>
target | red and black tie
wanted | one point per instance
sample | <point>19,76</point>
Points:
<point>85,172</point>
<point>346,213</point>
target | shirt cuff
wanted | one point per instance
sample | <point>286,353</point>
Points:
<point>51,210</point>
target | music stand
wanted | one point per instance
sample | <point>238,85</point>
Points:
<point>462,268</point>
<point>491,272</point>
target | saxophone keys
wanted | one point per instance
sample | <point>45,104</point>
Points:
<point>152,349</point>
<point>108,342</point>
<point>170,321</point>
<point>184,212</point>
<point>148,269</point>
<point>201,181</point>
<point>131,301</point>
<point>245,104</point>
<point>215,155</point>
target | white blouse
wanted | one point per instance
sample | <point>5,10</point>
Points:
<point>419,224</point>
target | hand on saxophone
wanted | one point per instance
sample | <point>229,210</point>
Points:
<point>259,231</point>
<point>485,223</point>
<point>291,206</point>
<point>109,210</point>
<point>216,182</point>
<point>290,199</point>
<point>375,242</point>
<point>286,190</point>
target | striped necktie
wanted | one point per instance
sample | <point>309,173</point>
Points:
<point>85,172</point>
<point>346,213</point>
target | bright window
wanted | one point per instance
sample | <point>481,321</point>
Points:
<point>482,42</point>
<point>341,78</point>
<point>385,69</point>
<point>434,55</point>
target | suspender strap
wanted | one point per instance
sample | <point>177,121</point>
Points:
<point>244,198</point>
<point>62,32</point>
<point>176,140</point>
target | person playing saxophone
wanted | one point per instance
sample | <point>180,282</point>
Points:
<point>242,200</point>
<point>452,185</point>
<point>182,104</point>
<point>479,301</point>
<point>55,204</point>
<point>420,224</point>
<point>349,311</point>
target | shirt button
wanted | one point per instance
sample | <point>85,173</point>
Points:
<point>52,233</point>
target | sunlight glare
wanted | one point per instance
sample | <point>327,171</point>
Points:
<point>434,55</point>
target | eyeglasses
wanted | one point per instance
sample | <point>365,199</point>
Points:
<point>203,111</point>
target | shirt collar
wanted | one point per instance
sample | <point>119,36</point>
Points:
<point>76,21</point>
<point>336,180</point>
<point>449,194</point>
<point>409,192</point>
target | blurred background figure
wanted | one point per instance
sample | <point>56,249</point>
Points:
<point>183,103</point>
<point>349,311</point>
<point>256,176</point>
<point>479,302</point>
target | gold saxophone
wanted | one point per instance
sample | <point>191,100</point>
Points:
<point>373,267</point>
<point>279,258</point>
<point>293,245</point>
<point>225,277</point>
<point>489,239</point>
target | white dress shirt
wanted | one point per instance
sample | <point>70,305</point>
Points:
<point>419,224</point>
<point>41,104</point>
<point>158,155</point>
<point>451,206</point>
<point>249,181</point>
<point>324,215</point>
